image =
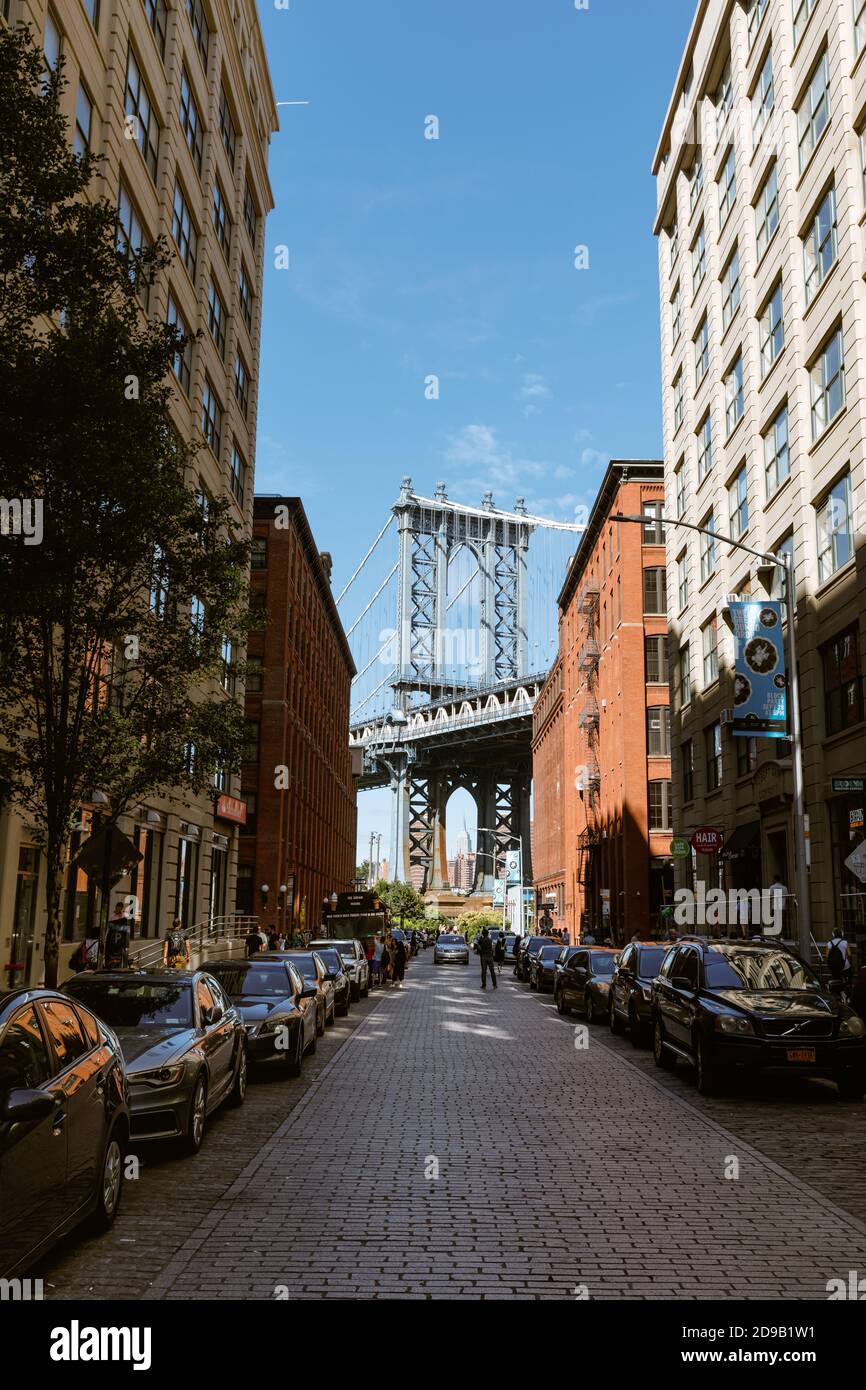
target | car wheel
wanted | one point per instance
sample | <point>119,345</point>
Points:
<point>197,1115</point>
<point>320,1021</point>
<point>294,1062</point>
<point>589,1007</point>
<point>110,1183</point>
<point>635,1028</point>
<point>559,1000</point>
<point>661,1056</point>
<point>239,1086</point>
<point>707,1076</point>
<point>851,1087</point>
<point>614,1019</point>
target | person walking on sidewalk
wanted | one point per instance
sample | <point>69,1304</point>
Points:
<point>398,963</point>
<point>485,951</point>
<point>499,951</point>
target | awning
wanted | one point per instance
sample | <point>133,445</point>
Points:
<point>744,838</point>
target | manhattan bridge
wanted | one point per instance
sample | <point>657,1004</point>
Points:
<point>453,623</point>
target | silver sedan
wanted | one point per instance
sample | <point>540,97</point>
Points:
<point>451,950</point>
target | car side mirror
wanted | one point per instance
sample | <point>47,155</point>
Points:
<point>308,992</point>
<point>683,982</point>
<point>23,1105</point>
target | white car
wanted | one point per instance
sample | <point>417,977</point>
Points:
<point>352,956</point>
<point>451,949</point>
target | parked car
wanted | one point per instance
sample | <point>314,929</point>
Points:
<point>631,989</point>
<point>451,949</point>
<point>583,983</point>
<point>355,962</point>
<point>727,1006</point>
<point>313,971</point>
<point>278,1007</point>
<point>64,1123</point>
<point>542,968</point>
<point>532,944</point>
<point>511,943</point>
<point>183,1042</point>
<point>336,971</point>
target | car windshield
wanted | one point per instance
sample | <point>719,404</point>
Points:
<point>451,941</point>
<point>136,1003</point>
<point>756,970</point>
<point>550,952</point>
<point>332,958</point>
<point>254,980</point>
<point>602,965</point>
<point>650,963</point>
<point>306,965</point>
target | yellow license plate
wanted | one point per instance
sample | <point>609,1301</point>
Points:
<point>801,1054</point>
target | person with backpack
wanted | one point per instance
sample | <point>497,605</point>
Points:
<point>175,947</point>
<point>839,959</point>
<point>485,952</point>
<point>398,963</point>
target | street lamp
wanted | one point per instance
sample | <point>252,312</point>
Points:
<point>770,565</point>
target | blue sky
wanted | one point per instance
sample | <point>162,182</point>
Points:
<point>455,257</point>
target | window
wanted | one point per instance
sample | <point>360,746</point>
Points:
<point>777,463</point>
<point>738,504</point>
<point>731,289</point>
<point>221,220</point>
<point>653,527</point>
<point>702,352</point>
<point>820,245</point>
<point>859,24</point>
<point>709,639</point>
<point>52,44</point>
<point>757,11</point>
<point>683,580</point>
<point>216,318</point>
<point>696,183</point>
<point>688,754</point>
<point>140,115</point>
<point>92,8</point>
<point>238,473</point>
<point>656,653</point>
<point>259,554</point>
<point>156,18</point>
<point>196,618</point>
<point>227,127</point>
<point>211,417</point>
<point>713,742</point>
<point>802,10</point>
<point>678,400</point>
<point>763,99</point>
<point>771,330</point>
<point>708,547</point>
<point>863,163</point>
<point>835,529</point>
<point>24,1061</point>
<point>182,362</point>
<point>680,488</point>
<point>658,731</point>
<point>253,681</point>
<point>190,120</point>
<point>728,186</point>
<point>734,395</point>
<point>724,101</point>
<point>673,245</point>
<point>827,378</point>
<point>64,1030</point>
<point>699,260</point>
<point>685,685</point>
<point>83,121</point>
<point>814,111</point>
<point>705,448</point>
<point>200,29</point>
<point>251,217</point>
<point>251,742</point>
<point>242,385</point>
<point>660,806</point>
<point>843,687</point>
<point>655,593</point>
<point>131,236</point>
<point>767,211</point>
<point>245,295</point>
<point>183,231</point>
<point>676,316</point>
<point>747,755</point>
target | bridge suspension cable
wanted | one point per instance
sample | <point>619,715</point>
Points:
<point>348,586</point>
<point>385,582</point>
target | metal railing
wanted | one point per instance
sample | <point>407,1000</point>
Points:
<point>216,931</point>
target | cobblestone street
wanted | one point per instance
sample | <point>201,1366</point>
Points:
<point>446,1143</point>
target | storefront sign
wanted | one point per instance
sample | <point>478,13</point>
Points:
<point>855,818</point>
<point>856,862</point>
<point>680,847</point>
<point>231,808</point>
<point>708,840</point>
<point>849,784</point>
<point>760,682</point>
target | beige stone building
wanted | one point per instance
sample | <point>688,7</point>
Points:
<point>176,94</point>
<point>761,223</point>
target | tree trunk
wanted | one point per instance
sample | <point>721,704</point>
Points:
<point>53,896</point>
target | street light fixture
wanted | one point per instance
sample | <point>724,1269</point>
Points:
<point>769,566</point>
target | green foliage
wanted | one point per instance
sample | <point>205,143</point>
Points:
<point>472,922</point>
<point>401,897</point>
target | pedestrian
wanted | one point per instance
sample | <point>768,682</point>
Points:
<point>398,963</point>
<point>272,937</point>
<point>387,946</point>
<point>588,938</point>
<point>253,942</point>
<point>282,940</point>
<point>839,959</point>
<point>117,938</point>
<point>86,956</point>
<point>499,951</point>
<point>485,951</point>
<point>636,936</point>
<point>376,961</point>
<point>175,947</point>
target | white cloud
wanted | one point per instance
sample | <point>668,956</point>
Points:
<point>533,391</point>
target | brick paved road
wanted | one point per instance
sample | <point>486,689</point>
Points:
<point>623,1193</point>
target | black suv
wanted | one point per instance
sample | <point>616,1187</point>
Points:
<point>631,989</point>
<point>726,1005</point>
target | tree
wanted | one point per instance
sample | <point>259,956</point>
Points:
<point>472,922</point>
<point>401,897</point>
<point>119,626</point>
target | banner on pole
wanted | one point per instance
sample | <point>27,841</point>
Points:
<point>760,678</point>
<point>512,866</point>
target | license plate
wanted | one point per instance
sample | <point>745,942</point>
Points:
<point>801,1054</point>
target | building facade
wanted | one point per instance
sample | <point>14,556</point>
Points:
<point>761,199</point>
<point>176,96</point>
<point>298,842</point>
<point>601,742</point>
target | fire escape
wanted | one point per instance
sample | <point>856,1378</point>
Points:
<point>588,721</point>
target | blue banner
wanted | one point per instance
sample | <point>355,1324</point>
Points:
<point>760,678</point>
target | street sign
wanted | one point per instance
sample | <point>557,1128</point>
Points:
<point>680,847</point>
<point>107,854</point>
<point>856,862</point>
<point>708,840</point>
<point>849,784</point>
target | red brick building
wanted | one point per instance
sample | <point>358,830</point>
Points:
<point>297,779</point>
<point>606,706</point>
